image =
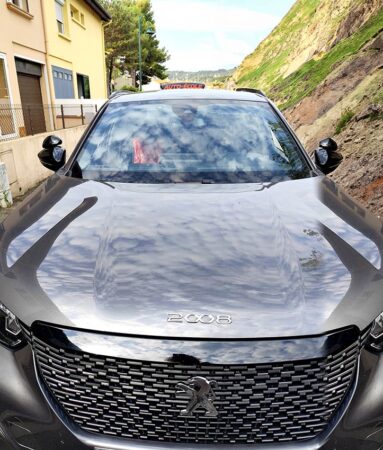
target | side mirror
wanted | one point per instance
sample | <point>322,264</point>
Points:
<point>327,158</point>
<point>52,156</point>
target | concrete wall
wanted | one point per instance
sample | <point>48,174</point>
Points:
<point>5,192</point>
<point>23,166</point>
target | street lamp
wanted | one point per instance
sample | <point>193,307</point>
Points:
<point>150,32</point>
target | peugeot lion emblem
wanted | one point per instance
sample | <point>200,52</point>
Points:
<point>201,394</point>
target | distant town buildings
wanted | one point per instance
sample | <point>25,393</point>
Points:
<point>51,52</point>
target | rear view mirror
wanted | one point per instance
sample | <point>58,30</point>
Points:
<point>327,158</point>
<point>53,157</point>
<point>51,141</point>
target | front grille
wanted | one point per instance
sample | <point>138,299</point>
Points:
<point>257,403</point>
<point>26,332</point>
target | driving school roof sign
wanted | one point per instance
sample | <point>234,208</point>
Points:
<point>184,85</point>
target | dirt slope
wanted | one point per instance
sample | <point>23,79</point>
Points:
<point>354,90</point>
<point>323,65</point>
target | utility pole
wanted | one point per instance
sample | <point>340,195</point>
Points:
<point>140,50</point>
<point>149,32</point>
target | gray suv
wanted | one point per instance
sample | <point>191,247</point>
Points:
<point>190,279</point>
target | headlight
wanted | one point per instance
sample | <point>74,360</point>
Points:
<point>10,332</point>
<point>375,340</point>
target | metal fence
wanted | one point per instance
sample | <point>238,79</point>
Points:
<point>25,120</point>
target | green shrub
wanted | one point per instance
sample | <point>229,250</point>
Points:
<point>344,119</point>
<point>378,97</point>
<point>129,88</point>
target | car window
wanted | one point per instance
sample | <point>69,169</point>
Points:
<point>190,141</point>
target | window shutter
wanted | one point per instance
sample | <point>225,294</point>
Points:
<point>59,11</point>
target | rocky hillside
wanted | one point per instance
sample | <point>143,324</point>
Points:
<point>323,65</point>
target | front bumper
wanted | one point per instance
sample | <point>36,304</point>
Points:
<point>28,421</point>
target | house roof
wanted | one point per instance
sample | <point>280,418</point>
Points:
<point>98,9</point>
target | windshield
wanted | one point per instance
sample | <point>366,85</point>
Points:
<point>175,141</point>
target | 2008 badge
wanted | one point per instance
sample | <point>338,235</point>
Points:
<point>221,319</point>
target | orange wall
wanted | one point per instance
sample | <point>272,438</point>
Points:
<point>23,36</point>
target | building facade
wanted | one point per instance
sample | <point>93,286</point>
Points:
<point>23,68</point>
<point>75,48</point>
<point>51,52</point>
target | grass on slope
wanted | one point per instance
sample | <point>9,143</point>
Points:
<point>297,18</point>
<point>301,83</point>
<point>290,90</point>
<point>345,118</point>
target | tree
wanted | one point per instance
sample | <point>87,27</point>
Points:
<point>116,35</point>
<point>121,40</point>
<point>153,56</point>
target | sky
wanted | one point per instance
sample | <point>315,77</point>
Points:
<point>214,34</point>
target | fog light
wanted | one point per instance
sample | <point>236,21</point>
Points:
<point>375,340</point>
<point>10,332</point>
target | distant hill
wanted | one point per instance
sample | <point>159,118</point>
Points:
<point>203,76</point>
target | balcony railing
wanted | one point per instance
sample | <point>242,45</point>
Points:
<point>25,120</point>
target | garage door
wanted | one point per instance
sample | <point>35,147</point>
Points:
<point>32,103</point>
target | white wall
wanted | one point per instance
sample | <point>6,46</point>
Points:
<point>5,194</point>
<point>20,157</point>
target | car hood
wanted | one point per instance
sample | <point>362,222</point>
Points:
<point>287,259</point>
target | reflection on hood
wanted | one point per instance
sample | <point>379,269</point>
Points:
<point>285,259</point>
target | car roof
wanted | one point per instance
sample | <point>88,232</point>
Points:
<point>178,94</point>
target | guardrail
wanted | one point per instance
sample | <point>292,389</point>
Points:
<point>26,120</point>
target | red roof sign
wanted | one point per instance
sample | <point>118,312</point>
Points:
<point>183,85</point>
